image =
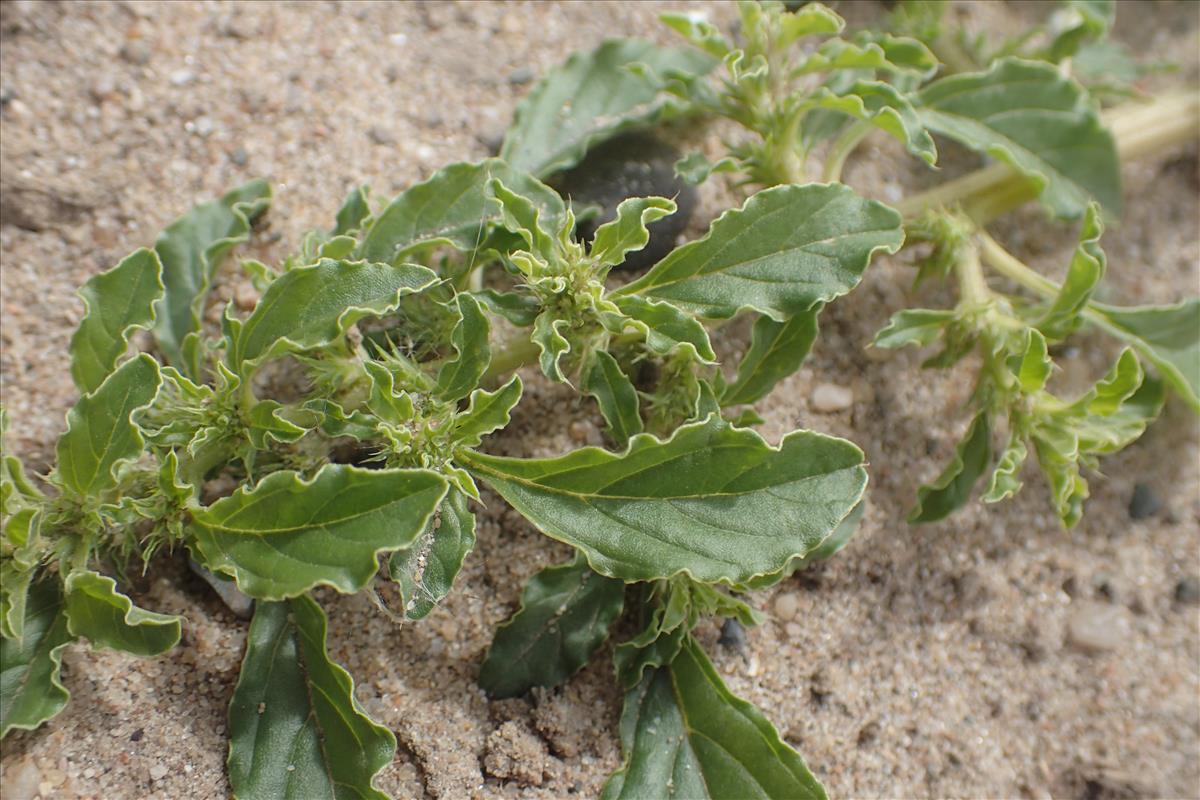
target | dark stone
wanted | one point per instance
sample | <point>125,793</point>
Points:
<point>137,735</point>
<point>1188,590</point>
<point>239,157</point>
<point>630,165</point>
<point>1144,502</point>
<point>733,635</point>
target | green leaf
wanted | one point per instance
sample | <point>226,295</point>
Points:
<point>268,420</point>
<point>552,345</point>
<point>916,326</point>
<point>699,32</point>
<point>615,395</point>
<point>296,731</point>
<point>1095,18</point>
<point>486,412</point>
<point>454,207</point>
<point>627,232</point>
<point>100,434</point>
<point>787,249</point>
<point>885,108</point>
<point>191,249</point>
<point>1037,121</point>
<point>117,303</point>
<point>777,349</point>
<point>565,615</point>
<point>95,609</point>
<point>1006,478</point>
<point>666,329</point>
<point>336,421</point>
<point>459,376</point>
<point>590,98</point>
<point>953,487</point>
<point>355,211</point>
<point>1167,336</point>
<point>287,535</point>
<point>684,734</point>
<point>519,309</point>
<point>1034,365</point>
<point>312,306</point>
<point>15,580</point>
<point>1063,318</point>
<point>715,502</point>
<point>31,688</point>
<point>425,571</point>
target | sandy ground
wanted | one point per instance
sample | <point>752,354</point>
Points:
<point>949,660</point>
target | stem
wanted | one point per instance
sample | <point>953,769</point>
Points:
<point>1016,270</point>
<point>513,354</point>
<point>972,286</point>
<point>1139,131</point>
<point>1013,268</point>
<point>842,148</point>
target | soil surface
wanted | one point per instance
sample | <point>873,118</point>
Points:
<point>992,655</point>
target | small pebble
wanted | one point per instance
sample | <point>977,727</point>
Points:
<point>102,88</point>
<point>380,135</point>
<point>733,635</point>
<point>1144,502</point>
<point>1097,627</point>
<point>829,397</point>
<point>787,605</point>
<point>204,127</point>
<point>1188,590</point>
<point>21,782</point>
<point>239,157</point>
<point>520,76</point>
<point>158,772</point>
<point>136,52</point>
<point>245,296</point>
<point>181,77</point>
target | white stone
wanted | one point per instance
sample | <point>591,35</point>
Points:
<point>829,397</point>
<point>1097,627</point>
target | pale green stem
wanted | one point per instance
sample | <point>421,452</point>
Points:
<point>513,354</point>
<point>1139,130</point>
<point>843,147</point>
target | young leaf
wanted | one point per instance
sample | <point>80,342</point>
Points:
<point>1034,366</point>
<point>459,376</point>
<point>787,249</point>
<point>100,434</point>
<point>684,734</point>
<point>1063,318</point>
<point>552,345</point>
<point>1036,120</point>
<point>426,570</point>
<point>715,502</point>
<point>1168,336</point>
<point>666,328</point>
<point>519,309</point>
<point>917,326</point>
<point>287,535</point>
<point>191,249</point>
<point>628,231</point>
<point>1006,478</point>
<point>615,395</point>
<point>953,487</point>
<point>95,609</point>
<point>565,615</point>
<point>31,689</point>
<point>486,412</point>
<point>883,107</point>
<point>312,306</point>
<point>355,211</point>
<point>454,207</point>
<point>593,97</point>
<point>117,303</point>
<point>296,730</point>
<point>777,349</point>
